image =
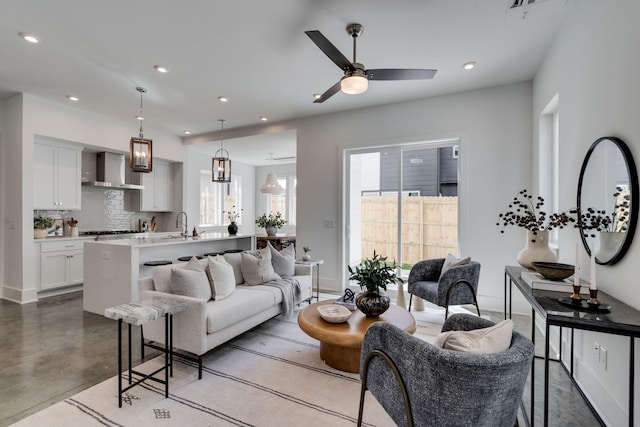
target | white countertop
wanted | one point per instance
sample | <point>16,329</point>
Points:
<point>170,239</point>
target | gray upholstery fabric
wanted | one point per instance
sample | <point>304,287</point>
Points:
<point>447,387</point>
<point>425,281</point>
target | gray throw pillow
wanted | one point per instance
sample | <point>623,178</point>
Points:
<point>190,283</point>
<point>258,269</point>
<point>284,261</point>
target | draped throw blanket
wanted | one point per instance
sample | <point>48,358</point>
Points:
<point>291,294</point>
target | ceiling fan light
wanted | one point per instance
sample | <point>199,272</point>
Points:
<point>354,84</point>
<point>271,185</point>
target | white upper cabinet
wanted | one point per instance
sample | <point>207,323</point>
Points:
<point>157,195</point>
<point>57,173</point>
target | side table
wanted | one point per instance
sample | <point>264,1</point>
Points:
<point>314,263</point>
<point>139,313</point>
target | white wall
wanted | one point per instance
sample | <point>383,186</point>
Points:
<point>593,66</point>
<point>494,125</point>
<point>25,117</point>
<point>4,225</point>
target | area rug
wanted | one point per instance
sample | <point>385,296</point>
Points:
<point>269,376</point>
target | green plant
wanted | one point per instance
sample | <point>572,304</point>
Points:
<point>41,222</point>
<point>306,249</point>
<point>272,220</point>
<point>375,273</point>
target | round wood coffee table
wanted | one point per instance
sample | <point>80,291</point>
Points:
<point>340,343</point>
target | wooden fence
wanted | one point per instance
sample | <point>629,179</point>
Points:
<point>429,227</point>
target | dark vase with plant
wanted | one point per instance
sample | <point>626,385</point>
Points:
<point>232,216</point>
<point>373,275</point>
<point>41,226</point>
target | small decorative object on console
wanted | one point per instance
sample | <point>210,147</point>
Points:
<point>271,223</point>
<point>307,253</point>
<point>334,313</point>
<point>553,270</point>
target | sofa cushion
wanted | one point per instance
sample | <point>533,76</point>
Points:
<point>283,261</point>
<point>493,339</point>
<point>162,276</point>
<point>244,302</point>
<point>451,261</point>
<point>223,280</point>
<point>258,269</point>
<point>190,283</point>
<point>235,259</point>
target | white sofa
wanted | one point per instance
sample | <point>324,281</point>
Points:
<point>205,325</point>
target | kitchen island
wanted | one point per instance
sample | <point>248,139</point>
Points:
<point>112,267</point>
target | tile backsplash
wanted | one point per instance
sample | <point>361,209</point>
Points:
<point>105,209</point>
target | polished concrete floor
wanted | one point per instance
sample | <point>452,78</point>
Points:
<point>52,349</point>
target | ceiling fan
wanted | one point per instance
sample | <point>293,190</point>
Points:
<point>356,78</point>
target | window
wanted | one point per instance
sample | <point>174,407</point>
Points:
<point>216,198</point>
<point>285,202</point>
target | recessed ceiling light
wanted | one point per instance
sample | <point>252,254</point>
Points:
<point>223,99</point>
<point>469,65</point>
<point>415,161</point>
<point>160,69</point>
<point>317,95</point>
<point>186,132</point>
<point>30,38</point>
<point>140,118</point>
<point>263,118</point>
<point>72,98</point>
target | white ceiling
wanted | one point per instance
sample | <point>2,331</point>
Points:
<point>256,54</point>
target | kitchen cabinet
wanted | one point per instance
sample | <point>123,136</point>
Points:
<point>61,264</point>
<point>57,170</point>
<point>157,195</point>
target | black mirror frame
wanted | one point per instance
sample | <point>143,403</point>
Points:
<point>633,183</point>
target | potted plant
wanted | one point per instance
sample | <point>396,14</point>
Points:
<point>233,216</point>
<point>307,253</point>
<point>41,226</point>
<point>373,275</point>
<point>271,223</point>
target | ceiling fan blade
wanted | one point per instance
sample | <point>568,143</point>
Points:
<point>330,50</point>
<point>400,74</point>
<point>328,94</point>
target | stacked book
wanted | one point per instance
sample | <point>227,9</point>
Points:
<point>537,281</point>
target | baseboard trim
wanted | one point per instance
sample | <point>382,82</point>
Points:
<point>20,296</point>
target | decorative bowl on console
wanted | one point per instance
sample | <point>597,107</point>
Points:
<point>553,270</point>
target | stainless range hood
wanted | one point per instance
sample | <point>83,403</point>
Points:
<point>110,173</point>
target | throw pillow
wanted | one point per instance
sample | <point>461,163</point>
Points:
<point>284,261</point>
<point>451,261</point>
<point>235,259</point>
<point>224,282</point>
<point>494,339</point>
<point>258,269</point>
<point>190,283</point>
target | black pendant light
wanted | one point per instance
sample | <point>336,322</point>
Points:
<point>140,153</point>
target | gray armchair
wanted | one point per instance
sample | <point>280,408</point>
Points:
<point>458,285</point>
<point>419,384</point>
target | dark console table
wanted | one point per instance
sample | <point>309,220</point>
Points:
<point>621,320</point>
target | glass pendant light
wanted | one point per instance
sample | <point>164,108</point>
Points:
<point>271,185</point>
<point>221,163</point>
<point>140,156</point>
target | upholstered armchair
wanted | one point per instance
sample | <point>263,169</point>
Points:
<point>419,384</point>
<point>457,285</point>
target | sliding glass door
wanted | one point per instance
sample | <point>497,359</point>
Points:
<point>402,202</point>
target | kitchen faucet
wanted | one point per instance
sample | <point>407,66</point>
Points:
<point>185,229</point>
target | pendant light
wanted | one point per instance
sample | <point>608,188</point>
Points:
<point>140,158</point>
<point>221,164</point>
<point>271,185</point>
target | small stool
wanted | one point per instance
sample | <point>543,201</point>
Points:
<point>157,263</point>
<point>233,251</point>
<point>188,257</point>
<point>214,253</point>
<point>139,313</point>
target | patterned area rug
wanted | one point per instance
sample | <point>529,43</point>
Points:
<point>269,376</point>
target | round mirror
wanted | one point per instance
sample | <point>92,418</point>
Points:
<point>608,200</point>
